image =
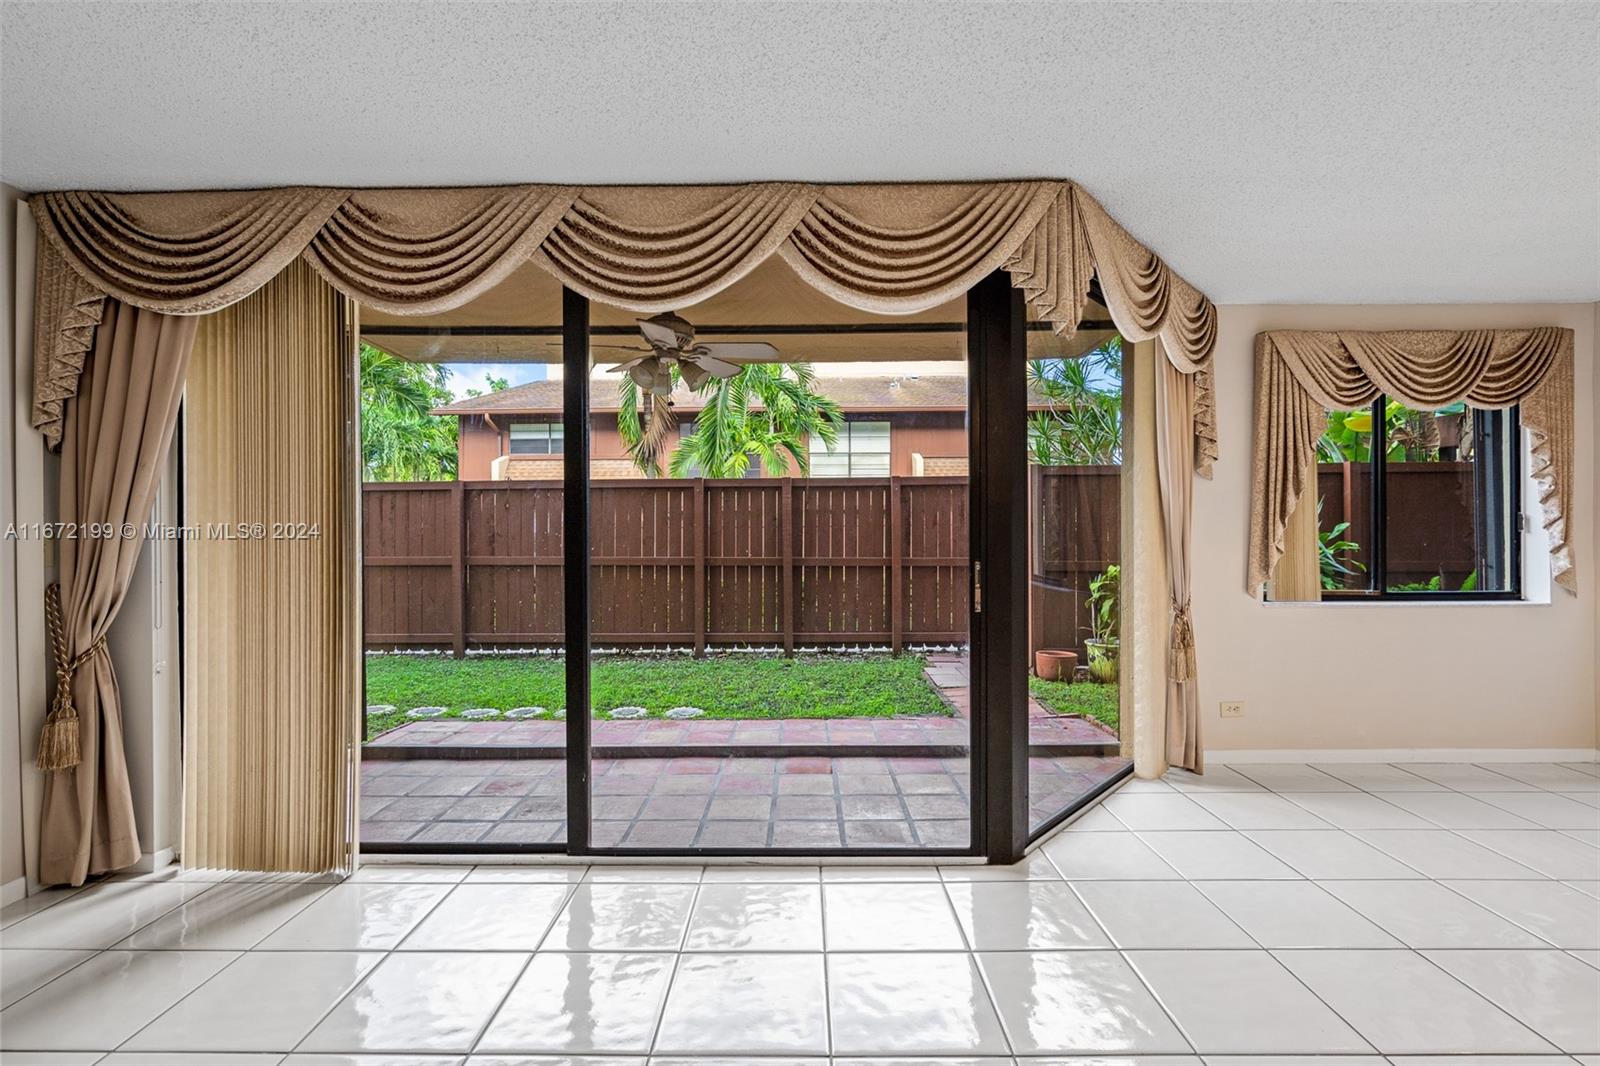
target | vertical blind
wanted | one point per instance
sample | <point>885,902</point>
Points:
<point>271,640</point>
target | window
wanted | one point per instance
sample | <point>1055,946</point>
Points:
<point>862,450</point>
<point>1420,504</point>
<point>536,438</point>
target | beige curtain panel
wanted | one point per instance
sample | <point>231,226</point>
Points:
<point>882,248</point>
<point>119,427</point>
<point>1175,397</point>
<point>1301,374</point>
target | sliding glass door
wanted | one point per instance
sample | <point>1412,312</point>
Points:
<point>765,576</point>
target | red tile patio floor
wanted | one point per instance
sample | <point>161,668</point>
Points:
<point>724,801</point>
<point>747,803</point>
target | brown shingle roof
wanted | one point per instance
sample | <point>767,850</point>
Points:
<point>884,393</point>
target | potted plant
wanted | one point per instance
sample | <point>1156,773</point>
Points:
<point>1105,622</point>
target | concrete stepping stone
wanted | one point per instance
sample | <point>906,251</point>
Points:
<point>381,708</point>
<point>426,712</point>
<point>518,713</point>
<point>628,712</point>
<point>481,712</point>
<point>681,713</point>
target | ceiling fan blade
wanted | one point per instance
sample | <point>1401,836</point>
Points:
<point>716,367</point>
<point>630,364</point>
<point>694,375</point>
<point>738,351</point>
<point>659,334</point>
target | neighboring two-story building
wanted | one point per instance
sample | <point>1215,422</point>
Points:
<point>904,425</point>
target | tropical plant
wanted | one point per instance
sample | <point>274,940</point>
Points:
<point>400,440</point>
<point>495,385</point>
<point>1331,545</point>
<point>1436,584</point>
<point>1082,424</point>
<point>767,410</point>
<point>1105,605</point>
<point>1410,435</point>
<point>1105,622</point>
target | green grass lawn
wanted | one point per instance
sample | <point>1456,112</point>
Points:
<point>725,686</point>
<point>1087,698</point>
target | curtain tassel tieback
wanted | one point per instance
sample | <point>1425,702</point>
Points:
<point>1180,651</point>
<point>59,746</point>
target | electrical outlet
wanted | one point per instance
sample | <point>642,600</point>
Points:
<point>1233,708</point>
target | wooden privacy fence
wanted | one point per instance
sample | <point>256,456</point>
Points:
<point>1431,508</point>
<point>693,562</point>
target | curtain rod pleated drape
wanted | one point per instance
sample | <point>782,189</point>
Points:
<point>1301,374</point>
<point>890,249</point>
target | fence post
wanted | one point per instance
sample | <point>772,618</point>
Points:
<point>699,526</point>
<point>786,526</point>
<point>458,567</point>
<point>897,589</point>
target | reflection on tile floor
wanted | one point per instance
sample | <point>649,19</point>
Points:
<point>811,802</point>
<point>1255,911</point>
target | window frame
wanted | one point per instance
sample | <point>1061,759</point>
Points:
<point>1482,491</point>
<point>845,446</point>
<point>553,432</point>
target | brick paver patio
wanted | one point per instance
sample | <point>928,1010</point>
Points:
<point>736,802</point>
<point>748,801</point>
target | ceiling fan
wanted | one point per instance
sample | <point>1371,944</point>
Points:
<point>672,344</point>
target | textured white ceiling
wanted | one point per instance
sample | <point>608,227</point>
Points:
<point>1272,152</point>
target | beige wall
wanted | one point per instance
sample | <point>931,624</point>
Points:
<point>1389,676</point>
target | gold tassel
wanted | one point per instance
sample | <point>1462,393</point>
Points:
<point>1180,650</point>
<point>59,746</point>
<point>58,741</point>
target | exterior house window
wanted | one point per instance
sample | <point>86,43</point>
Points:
<point>1420,504</point>
<point>862,450</point>
<point>536,438</point>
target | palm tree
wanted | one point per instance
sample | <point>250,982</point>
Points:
<point>400,440</point>
<point>767,410</point>
<point>1083,424</point>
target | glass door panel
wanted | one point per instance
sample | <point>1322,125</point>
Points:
<point>1073,467</point>
<point>462,547</point>
<point>779,577</point>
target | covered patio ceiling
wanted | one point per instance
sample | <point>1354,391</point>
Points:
<point>520,322</point>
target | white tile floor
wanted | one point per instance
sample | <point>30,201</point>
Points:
<point>1254,914</point>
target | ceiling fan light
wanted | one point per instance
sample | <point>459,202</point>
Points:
<point>643,374</point>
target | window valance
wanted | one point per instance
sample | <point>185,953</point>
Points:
<point>1302,374</point>
<point>882,248</point>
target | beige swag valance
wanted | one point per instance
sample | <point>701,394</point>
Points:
<point>1302,374</point>
<point>882,248</point>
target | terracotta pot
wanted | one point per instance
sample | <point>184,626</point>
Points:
<point>1053,665</point>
